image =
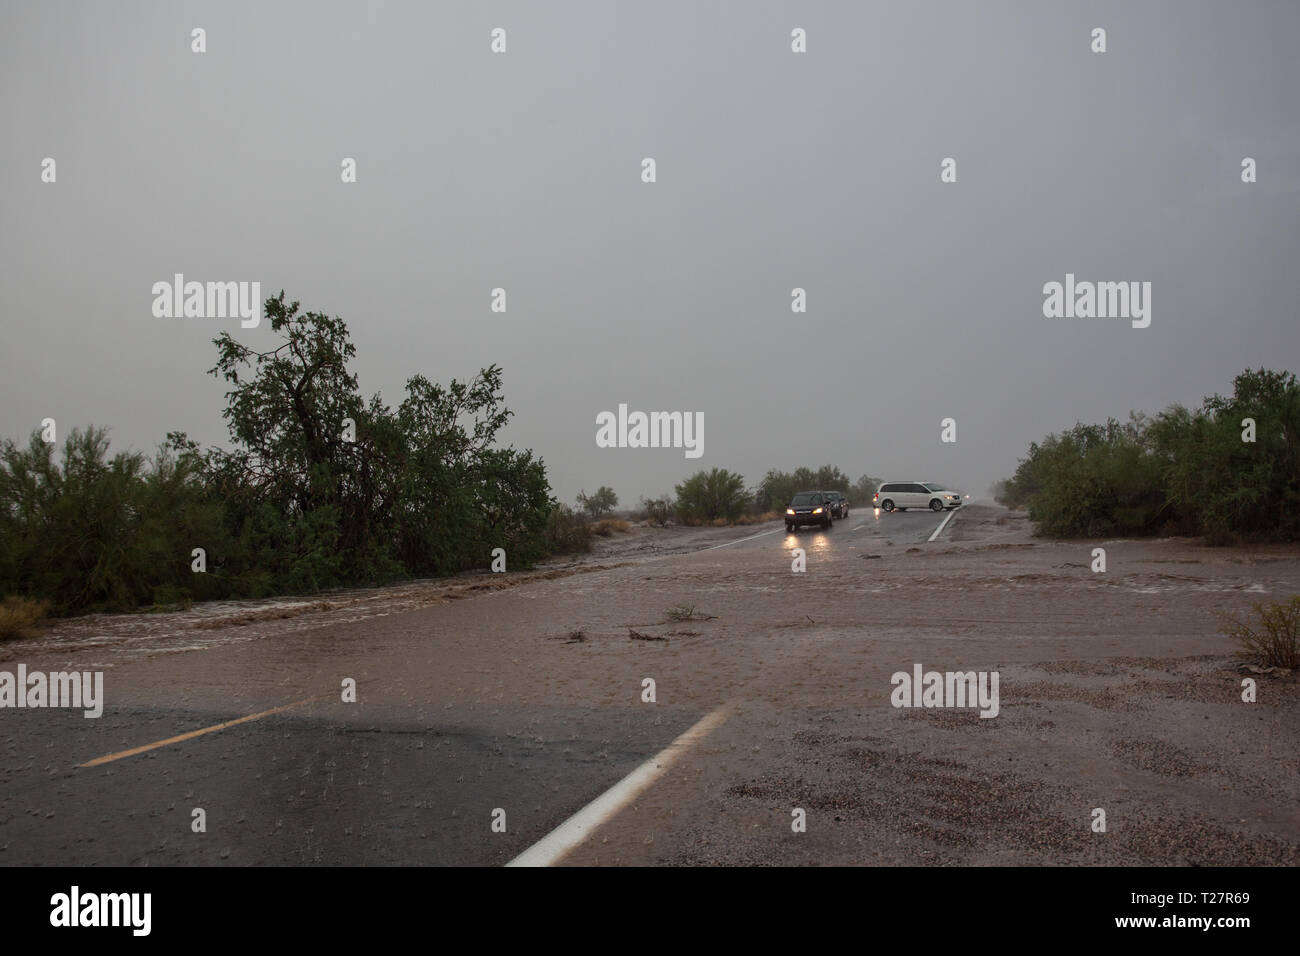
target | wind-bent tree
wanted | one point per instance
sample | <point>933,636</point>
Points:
<point>340,488</point>
<point>318,487</point>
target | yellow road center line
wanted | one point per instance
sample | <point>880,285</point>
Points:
<point>195,733</point>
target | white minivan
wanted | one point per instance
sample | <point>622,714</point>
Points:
<point>901,495</point>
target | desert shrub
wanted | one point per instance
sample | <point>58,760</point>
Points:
<point>167,597</point>
<point>1274,637</point>
<point>19,617</point>
<point>101,531</point>
<point>567,531</point>
<point>658,511</point>
<point>759,518</point>
<point>1002,493</point>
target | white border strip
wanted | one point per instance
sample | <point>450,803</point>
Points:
<point>951,515</point>
<point>559,842</point>
<point>727,544</point>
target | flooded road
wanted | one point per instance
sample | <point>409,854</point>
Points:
<point>480,700</point>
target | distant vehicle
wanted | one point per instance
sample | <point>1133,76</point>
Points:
<point>808,507</point>
<point>839,504</point>
<point>901,495</point>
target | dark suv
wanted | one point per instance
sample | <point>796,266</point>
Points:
<point>808,507</point>
<point>839,504</point>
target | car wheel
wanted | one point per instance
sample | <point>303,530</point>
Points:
<point>788,527</point>
<point>936,504</point>
<point>887,505</point>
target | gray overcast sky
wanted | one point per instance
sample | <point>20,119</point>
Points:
<point>775,170</point>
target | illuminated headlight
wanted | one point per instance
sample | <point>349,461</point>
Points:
<point>817,511</point>
<point>789,511</point>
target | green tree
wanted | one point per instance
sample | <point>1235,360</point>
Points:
<point>327,488</point>
<point>292,473</point>
<point>1188,470</point>
<point>456,497</point>
<point>711,495</point>
<point>863,492</point>
<point>778,487</point>
<point>1221,485</point>
<point>1092,480</point>
<point>601,503</point>
<point>318,488</point>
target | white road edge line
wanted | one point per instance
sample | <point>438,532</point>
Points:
<point>942,523</point>
<point>738,540</point>
<point>559,842</point>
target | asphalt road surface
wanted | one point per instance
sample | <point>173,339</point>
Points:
<point>303,788</point>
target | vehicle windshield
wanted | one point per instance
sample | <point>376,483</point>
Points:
<point>805,499</point>
<point>933,487</point>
